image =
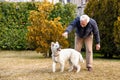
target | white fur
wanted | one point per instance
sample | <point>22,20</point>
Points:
<point>62,55</point>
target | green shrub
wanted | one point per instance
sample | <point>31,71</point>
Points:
<point>116,34</point>
<point>13,25</point>
<point>67,13</point>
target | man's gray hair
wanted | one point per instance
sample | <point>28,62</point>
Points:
<point>85,17</point>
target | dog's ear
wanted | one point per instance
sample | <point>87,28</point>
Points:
<point>52,43</point>
<point>57,42</point>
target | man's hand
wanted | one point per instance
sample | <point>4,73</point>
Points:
<point>97,46</point>
<point>65,34</point>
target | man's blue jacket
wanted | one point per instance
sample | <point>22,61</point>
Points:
<point>84,32</point>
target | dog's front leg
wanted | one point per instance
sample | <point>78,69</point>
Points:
<point>54,66</point>
<point>62,66</point>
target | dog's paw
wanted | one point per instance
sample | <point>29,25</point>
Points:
<point>69,70</point>
<point>83,61</point>
<point>77,71</point>
<point>53,71</point>
<point>61,71</point>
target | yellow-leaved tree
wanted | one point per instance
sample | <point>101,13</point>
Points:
<point>43,30</point>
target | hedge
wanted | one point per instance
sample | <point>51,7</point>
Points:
<point>13,25</point>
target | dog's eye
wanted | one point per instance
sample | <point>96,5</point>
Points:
<point>56,46</point>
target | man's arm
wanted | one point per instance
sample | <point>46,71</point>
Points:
<point>95,31</point>
<point>72,25</point>
<point>96,34</point>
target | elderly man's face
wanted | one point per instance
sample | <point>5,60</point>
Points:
<point>83,23</point>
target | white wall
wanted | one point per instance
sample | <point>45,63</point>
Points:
<point>54,1</point>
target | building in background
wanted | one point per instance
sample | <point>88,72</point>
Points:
<point>54,1</point>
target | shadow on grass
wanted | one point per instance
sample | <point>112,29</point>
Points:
<point>101,56</point>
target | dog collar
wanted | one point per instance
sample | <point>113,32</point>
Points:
<point>56,54</point>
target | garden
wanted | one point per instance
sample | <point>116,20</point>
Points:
<point>28,28</point>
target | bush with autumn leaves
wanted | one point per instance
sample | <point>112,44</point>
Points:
<point>45,29</point>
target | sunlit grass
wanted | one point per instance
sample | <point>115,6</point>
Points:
<point>29,65</point>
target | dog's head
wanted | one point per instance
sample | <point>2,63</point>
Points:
<point>55,46</point>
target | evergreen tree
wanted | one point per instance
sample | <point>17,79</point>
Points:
<point>105,12</point>
<point>116,32</point>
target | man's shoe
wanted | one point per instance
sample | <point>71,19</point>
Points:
<point>89,69</point>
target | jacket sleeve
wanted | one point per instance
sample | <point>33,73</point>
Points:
<point>72,25</point>
<point>95,31</point>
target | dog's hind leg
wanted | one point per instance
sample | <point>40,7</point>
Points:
<point>78,68</point>
<point>71,66</point>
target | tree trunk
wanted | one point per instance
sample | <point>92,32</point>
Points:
<point>110,56</point>
<point>105,55</point>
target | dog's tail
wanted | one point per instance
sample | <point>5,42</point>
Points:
<point>81,58</point>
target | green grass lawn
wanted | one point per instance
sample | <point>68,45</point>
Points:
<point>29,65</point>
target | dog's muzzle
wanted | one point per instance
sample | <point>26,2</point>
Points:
<point>57,53</point>
<point>59,49</point>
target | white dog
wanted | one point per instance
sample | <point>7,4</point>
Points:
<point>61,55</point>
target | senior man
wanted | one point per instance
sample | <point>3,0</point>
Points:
<point>85,27</point>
